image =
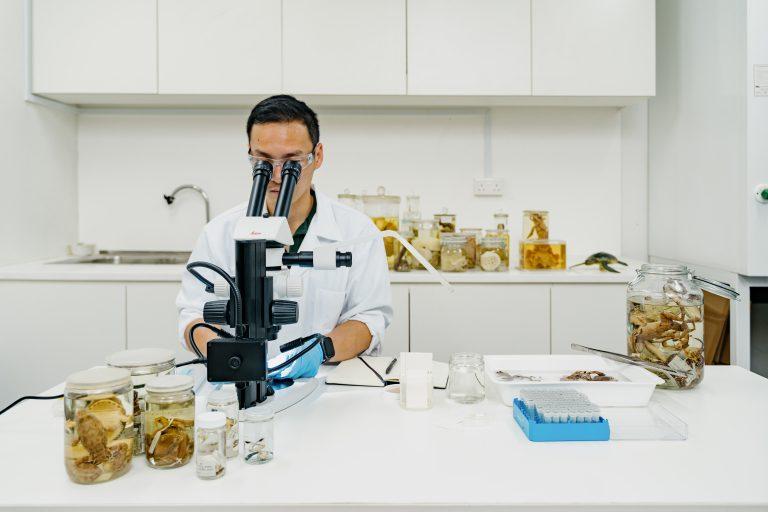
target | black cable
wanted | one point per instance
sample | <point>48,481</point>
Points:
<point>285,347</point>
<point>208,284</point>
<point>220,332</point>
<point>18,401</point>
<point>187,363</point>
<point>295,357</point>
<point>232,287</point>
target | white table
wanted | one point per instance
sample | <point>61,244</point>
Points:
<point>356,447</point>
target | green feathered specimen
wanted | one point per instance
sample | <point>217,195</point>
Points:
<point>603,259</point>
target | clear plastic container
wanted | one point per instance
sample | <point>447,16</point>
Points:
<point>98,425</point>
<point>446,222</point>
<point>258,435</point>
<point>542,255</point>
<point>225,401</point>
<point>427,242</point>
<point>492,255</point>
<point>144,364</point>
<point>169,421</point>
<point>384,210</point>
<point>473,239</point>
<point>453,253</point>
<point>210,442</point>
<point>535,225</point>
<point>466,378</point>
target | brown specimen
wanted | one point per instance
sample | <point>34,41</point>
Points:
<point>539,227</point>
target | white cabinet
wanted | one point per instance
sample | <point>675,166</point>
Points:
<point>152,318</point>
<point>593,47</point>
<point>397,336</point>
<point>472,47</point>
<point>51,329</point>
<point>489,319</point>
<point>589,314</point>
<point>94,46</point>
<point>222,47</point>
<point>344,46</point>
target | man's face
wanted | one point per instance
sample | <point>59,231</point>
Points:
<point>285,141</point>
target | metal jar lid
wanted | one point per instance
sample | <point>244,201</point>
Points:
<point>170,384</point>
<point>710,285</point>
<point>143,361</point>
<point>98,378</point>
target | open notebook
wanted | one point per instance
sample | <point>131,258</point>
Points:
<point>355,372</point>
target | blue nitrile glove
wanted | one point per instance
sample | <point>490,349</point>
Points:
<point>304,367</point>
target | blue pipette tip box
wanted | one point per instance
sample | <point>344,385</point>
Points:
<point>537,430</point>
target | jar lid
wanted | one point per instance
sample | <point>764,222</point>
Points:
<point>381,197</point>
<point>501,214</point>
<point>492,241</point>
<point>213,419</point>
<point>98,378</point>
<point>528,212</point>
<point>548,241</point>
<point>170,384</point>
<point>223,396</point>
<point>453,238</point>
<point>347,195</point>
<point>471,231</point>
<point>141,359</point>
<point>259,413</point>
<point>444,214</point>
<point>466,358</point>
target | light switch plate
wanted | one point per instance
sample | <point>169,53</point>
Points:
<point>489,186</point>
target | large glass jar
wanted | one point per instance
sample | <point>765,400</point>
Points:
<point>542,255</point>
<point>144,364</point>
<point>453,253</point>
<point>492,256</point>
<point>352,200</point>
<point>473,238</point>
<point>384,210</point>
<point>98,424</point>
<point>535,225</point>
<point>427,242</point>
<point>665,321</point>
<point>169,421</point>
<point>225,400</point>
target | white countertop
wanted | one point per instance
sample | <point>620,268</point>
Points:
<point>355,447</point>
<point>49,271</point>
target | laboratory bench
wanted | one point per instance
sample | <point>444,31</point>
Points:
<point>355,448</point>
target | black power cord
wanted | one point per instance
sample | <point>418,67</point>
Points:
<point>232,287</point>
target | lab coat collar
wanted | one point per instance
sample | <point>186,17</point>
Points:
<point>324,224</point>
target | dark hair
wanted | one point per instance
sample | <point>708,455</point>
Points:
<point>282,109</point>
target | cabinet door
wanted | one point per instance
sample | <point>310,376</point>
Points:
<point>396,339</point>
<point>52,329</point>
<point>488,319</point>
<point>344,46</point>
<point>152,317</point>
<point>593,47</point>
<point>222,47</point>
<point>469,47</point>
<point>589,314</point>
<point>94,46</point>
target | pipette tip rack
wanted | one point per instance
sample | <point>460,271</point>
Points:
<point>559,415</point>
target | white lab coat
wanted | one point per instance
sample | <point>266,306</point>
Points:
<point>331,297</point>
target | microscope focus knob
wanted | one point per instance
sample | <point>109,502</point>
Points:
<point>215,312</point>
<point>284,312</point>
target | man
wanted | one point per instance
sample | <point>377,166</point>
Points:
<point>350,305</point>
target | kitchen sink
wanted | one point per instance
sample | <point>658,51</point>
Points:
<point>130,258</point>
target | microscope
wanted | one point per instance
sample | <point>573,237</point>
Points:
<point>255,308</point>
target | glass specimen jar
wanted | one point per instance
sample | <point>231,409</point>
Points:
<point>535,225</point>
<point>144,364</point>
<point>665,320</point>
<point>427,243</point>
<point>412,214</point>
<point>169,421</point>
<point>501,221</point>
<point>466,378</point>
<point>384,210</point>
<point>98,424</point>
<point>473,237</point>
<point>352,200</point>
<point>210,445</point>
<point>492,254</point>
<point>403,259</point>
<point>453,253</point>
<point>542,255</point>
<point>446,222</point>
<point>225,400</point>
<point>258,435</point>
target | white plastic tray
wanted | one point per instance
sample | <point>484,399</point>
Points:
<point>633,387</point>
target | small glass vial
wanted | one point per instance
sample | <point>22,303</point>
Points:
<point>412,214</point>
<point>225,400</point>
<point>501,221</point>
<point>473,237</point>
<point>144,364</point>
<point>258,435</point>
<point>98,425</point>
<point>453,254</point>
<point>211,441</point>
<point>466,378</point>
<point>535,225</point>
<point>446,222</point>
<point>169,421</point>
<point>492,255</point>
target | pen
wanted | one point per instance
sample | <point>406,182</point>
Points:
<point>391,365</point>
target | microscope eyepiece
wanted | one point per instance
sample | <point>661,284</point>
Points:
<point>263,167</point>
<point>343,259</point>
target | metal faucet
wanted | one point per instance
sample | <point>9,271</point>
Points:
<point>172,197</point>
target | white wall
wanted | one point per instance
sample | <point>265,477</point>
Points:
<point>566,160</point>
<point>38,169</point>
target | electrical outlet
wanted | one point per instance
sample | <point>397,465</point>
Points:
<point>489,186</point>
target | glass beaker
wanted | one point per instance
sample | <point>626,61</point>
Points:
<point>466,378</point>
